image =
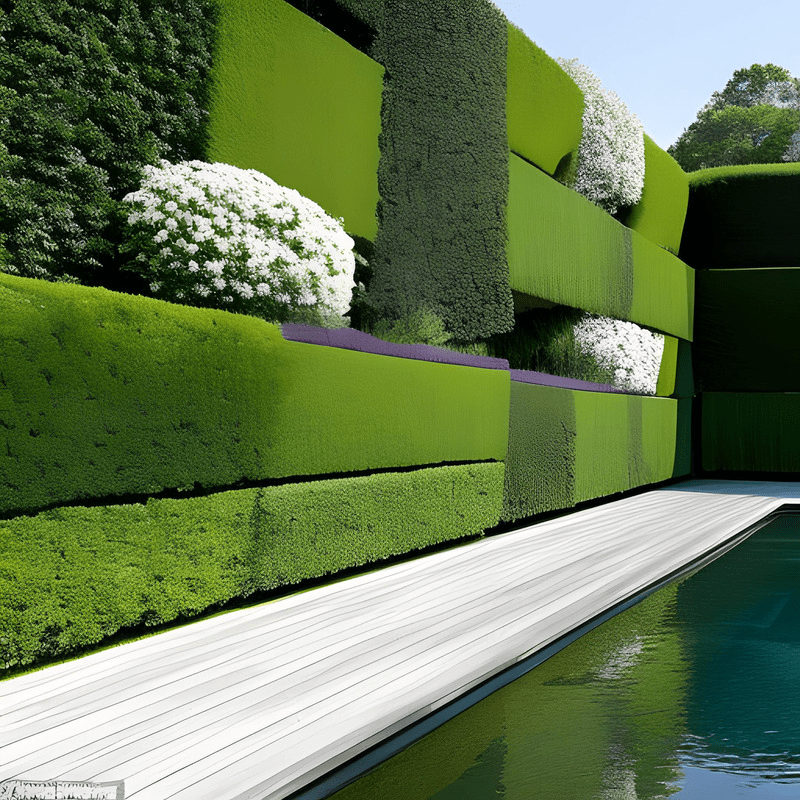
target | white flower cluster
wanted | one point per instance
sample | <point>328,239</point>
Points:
<point>216,235</point>
<point>610,169</point>
<point>633,353</point>
<point>792,152</point>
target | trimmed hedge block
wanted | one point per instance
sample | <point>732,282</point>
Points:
<point>71,577</point>
<point>751,431</point>
<point>623,441</point>
<point>564,249</point>
<point>567,446</point>
<point>660,214</point>
<point>540,465</point>
<point>544,106</point>
<point>747,330</point>
<point>743,216</point>
<point>104,394</point>
<point>294,101</point>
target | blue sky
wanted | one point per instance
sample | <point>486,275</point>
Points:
<point>664,60</point>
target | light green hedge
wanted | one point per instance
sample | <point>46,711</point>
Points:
<point>751,431</point>
<point>567,250</point>
<point>567,446</point>
<point>294,101</point>
<point>544,106</point>
<point>104,394</point>
<point>72,576</point>
<point>660,214</point>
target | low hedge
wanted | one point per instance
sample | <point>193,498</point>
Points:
<point>751,431</point>
<point>567,446</point>
<point>544,106</point>
<point>294,101</point>
<point>72,576</point>
<point>747,325</point>
<point>660,214</point>
<point>743,216</point>
<point>104,394</point>
<point>564,249</point>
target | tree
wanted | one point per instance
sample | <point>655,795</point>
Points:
<point>753,120</point>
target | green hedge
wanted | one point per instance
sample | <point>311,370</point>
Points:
<point>71,577</point>
<point>668,369</point>
<point>660,214</point>
<point>540,464</point>
<point>564,249</point>
<point>294,101</point>
<point>747,330</point>
<point>110,394</point>
<point>544,106</point>
<point>743,216</point>
<point>751,431</point>
<point>567,446</point>
<point>443,175</point>
<point>622,442</point>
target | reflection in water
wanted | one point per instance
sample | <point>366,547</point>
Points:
<point>690,694</point>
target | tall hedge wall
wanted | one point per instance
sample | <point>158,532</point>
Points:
<point>107,394</point>
<point>296,102</point>
<point>73,576</point>
<point>443,174</point>
<point>544,106</point>
<point>659,216</point>
<point>747,330</point>
<point>564,249</point>
<point>743,216</point>
<point>751,431</point>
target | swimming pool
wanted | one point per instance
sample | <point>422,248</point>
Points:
<point>691,693</point>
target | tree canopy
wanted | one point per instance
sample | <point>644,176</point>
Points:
<point>755,119</point>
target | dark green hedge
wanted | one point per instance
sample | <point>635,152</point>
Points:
<point>294,101</point>
<point>71,577</point>
<point>94,89</point>
<point>660,214</point>
<point>544,106</point>
<point>567,250</point>
<point>751,431</point>
<point>443,173</point>
<point>108,394</point>
<point>747,330</point>
<point>743,216</point>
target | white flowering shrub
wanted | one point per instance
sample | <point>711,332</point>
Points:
<point>218,236</point>
<point>633,353</point>
<point>610,168</point>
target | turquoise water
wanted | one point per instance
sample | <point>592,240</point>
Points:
<point>693,693</point>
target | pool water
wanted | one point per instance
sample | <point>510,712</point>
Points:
<point>693,693</point>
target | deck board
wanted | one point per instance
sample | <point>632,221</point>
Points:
<point>258,702</point>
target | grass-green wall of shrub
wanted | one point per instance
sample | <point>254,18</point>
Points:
<point>443,175</point>
<point>73,576</point>
<point>564,249</point>
<point>748,327</point>
<point>751,431</point>
<point>544,106</point>
<point>660,214</point>
<point>622,442</point>
<point>743,216</point>
<point>567,446</point>
<point>294,101</point>
<point>105,394</point>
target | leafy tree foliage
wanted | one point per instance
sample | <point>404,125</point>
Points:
<point>753,120</point>
<point>92,91</point>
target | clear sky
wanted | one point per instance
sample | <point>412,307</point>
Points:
<point>663,59</point>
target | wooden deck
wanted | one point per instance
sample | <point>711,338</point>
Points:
<point>259,702</point>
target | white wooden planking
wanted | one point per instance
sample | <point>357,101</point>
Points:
<point>259,702</point>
